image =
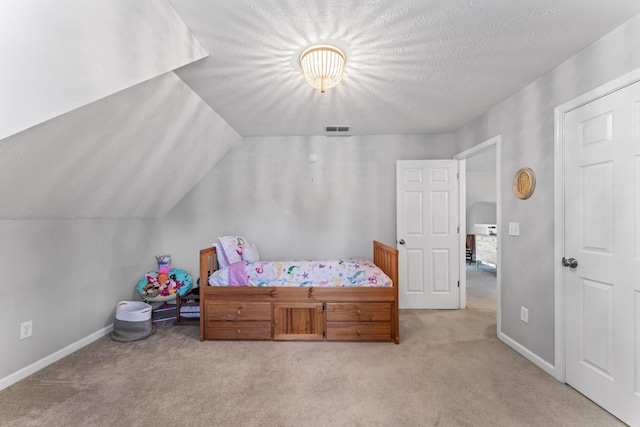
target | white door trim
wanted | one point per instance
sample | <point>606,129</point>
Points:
<point>559,112</point>
<point>462,156</point>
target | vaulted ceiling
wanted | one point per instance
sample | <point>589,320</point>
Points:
<point>117,108</point>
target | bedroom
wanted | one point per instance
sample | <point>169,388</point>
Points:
<point>93,195</point>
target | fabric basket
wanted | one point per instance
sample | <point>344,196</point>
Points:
<point>133,321</point>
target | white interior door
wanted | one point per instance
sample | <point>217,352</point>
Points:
<point>427,232</point>
<point>602,233</point>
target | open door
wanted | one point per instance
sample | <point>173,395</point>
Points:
<point>427,232</point>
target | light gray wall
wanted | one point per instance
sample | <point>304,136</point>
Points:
<point>266,190</point>
<point>481,213</point>
<point>481,186</point>
<point>67,277</point>
<point>481,198</point>
<point>526,123</point>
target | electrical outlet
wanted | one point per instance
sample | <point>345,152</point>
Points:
<point>26,328</point>
<point>524,314</point>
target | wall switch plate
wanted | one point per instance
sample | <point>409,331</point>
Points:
<point>524,314</point>
<point>26,328</point>
<point>514,229</point>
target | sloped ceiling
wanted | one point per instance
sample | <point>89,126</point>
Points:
<point>60,55</point>
<point>134,154</point>
<point>413,66</point>
<point>121,137</point>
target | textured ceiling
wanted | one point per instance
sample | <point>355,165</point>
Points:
<point>412,66</point>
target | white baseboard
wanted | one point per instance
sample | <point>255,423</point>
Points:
<point>43,363</point>
<point>528,354</point>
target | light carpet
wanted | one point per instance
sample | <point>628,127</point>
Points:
<point>449,370</point>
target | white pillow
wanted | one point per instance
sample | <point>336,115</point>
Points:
<point>250,253</point>
<point>232,247</point>
<point>222,259</point>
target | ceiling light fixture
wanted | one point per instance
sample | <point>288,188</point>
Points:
<point>322,66</point>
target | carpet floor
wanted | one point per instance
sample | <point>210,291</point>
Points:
<point>449,370</point>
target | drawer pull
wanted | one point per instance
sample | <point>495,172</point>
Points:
<point>237,331</point>
<point>358,313</point>
<point>238,312</point>
<point>275,322</point>
<point>358,332</point>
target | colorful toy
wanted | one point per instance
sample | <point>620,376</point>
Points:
<point>164,283</point>
<point>163,261</point>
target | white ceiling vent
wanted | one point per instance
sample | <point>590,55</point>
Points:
<point>337,130</point>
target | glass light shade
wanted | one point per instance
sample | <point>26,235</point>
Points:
<point>322,66</point>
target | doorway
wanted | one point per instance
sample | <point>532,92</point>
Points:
<point>481,229</point>
<point>480,216</point>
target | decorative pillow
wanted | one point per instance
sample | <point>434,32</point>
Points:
<point>220,256</point>
<point>250,253</point>
<point>232,247</point>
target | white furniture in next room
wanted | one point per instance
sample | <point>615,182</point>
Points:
<point>487,249</point>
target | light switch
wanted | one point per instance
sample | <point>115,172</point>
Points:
<point>514,229</point>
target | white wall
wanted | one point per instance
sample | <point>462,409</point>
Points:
<point>481,198</point>
<point>526,123</point>
<point>67,276</point>
<point>267,190</point>
<point>58,56</point>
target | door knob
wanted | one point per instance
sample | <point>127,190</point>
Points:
<point>401,241</point>
<point>571,262</point>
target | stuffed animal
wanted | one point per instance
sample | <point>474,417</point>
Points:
<point>152,288</point>
<point>163,277</point>
<point>163,261</point>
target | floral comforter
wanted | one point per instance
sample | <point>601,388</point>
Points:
<point>330,273</point>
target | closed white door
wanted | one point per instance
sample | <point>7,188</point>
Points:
<point>602,238</point>
<point>427,233</point>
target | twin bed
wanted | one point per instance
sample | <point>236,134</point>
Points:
<point>350,300</point>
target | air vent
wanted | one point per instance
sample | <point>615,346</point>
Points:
<point>337,130</point>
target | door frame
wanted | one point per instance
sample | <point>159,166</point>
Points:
<point>558,252</point>
<point>461,157</point>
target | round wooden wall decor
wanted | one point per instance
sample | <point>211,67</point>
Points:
<point>524,182</point>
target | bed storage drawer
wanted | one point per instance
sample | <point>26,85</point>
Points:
<point>367,321</point>
<point>358,331</point>
<point>238,311</point>
<point>359,312</point>
<point>234,320</point>
<point>223,330</point>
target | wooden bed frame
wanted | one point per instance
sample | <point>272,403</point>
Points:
<point>301,313</point>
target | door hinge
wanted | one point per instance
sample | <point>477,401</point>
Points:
<point>458,230</point>
<point>458,175</point>
<point>458,283</point>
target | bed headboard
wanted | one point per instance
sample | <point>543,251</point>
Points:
<point>207,264</point>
